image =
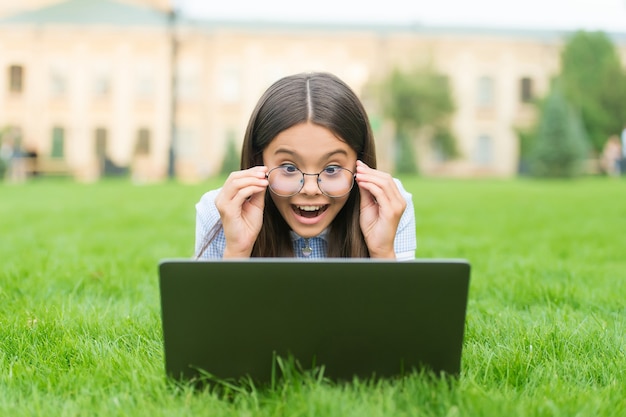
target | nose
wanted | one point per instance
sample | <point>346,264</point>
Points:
<point>310,186</point>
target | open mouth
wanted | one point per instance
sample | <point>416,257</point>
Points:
<point>309,211</point>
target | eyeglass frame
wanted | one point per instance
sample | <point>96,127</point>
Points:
<point>267,176</point>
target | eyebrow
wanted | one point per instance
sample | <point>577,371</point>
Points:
<point>325,156</point>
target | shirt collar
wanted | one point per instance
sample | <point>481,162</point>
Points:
<point>295,236</point>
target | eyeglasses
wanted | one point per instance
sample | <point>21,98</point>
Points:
<point>288,180</point>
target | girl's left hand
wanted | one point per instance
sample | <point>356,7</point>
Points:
<point>382,206</point>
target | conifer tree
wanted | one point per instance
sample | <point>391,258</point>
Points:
<point>231,161</point>
<point>560,147</point>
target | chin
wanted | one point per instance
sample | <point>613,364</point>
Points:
<point>307,232</point>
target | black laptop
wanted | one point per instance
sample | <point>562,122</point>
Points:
<point>364,318</point>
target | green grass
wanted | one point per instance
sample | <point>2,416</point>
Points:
<point>80,321</point>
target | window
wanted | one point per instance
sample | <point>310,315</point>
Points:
<point>145,86</point>
<point>483,152</point>
<point>58,142</point>
<point>58,80</point>
<point>102,80</point>
<point>230,87</point>
<point>142,146</point>
<point>101,142</point>
<point>144,81</point>
<point>185,143</point>
<point>16,79</point>
<point>526,90</point>
<point>102,86</point>
<point>485,96</point>
<point>187,81</point>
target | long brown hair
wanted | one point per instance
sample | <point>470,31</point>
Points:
<point>325,100</point>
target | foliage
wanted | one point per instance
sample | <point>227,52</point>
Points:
<point>80,328</point>
<point>560,146</point>
<point>594,81</point>
<point>526,138</point>
<point>3,162</point>
<point>445,141</point>
<point>404,154</point>
<point>527,133</point>
<point>231,160</point>
<point>415,100</point>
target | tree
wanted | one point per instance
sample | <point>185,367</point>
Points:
<point>4,159</point>
<point>594,82</point>
<point>560,146</point>
<point>417,100</point>
<point>231,161</point>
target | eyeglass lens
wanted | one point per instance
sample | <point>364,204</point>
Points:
<point>287,180</point>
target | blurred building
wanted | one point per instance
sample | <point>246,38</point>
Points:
<point>107,86</point>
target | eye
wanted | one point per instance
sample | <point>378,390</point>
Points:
<point>332,170</point>
<point>289,168</point>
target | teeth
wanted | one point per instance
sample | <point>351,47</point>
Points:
<point>309,208</point>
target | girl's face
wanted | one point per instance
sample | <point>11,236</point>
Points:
<point>311,149</point>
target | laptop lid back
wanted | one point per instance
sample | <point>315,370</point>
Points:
<point>356,317</point>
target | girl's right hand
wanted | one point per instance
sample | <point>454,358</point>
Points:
<point>241,203</point>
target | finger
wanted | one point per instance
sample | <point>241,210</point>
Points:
<point>229,204</point>
<point>257,199</point>
<point>373,184</point>
<point>377,195</point>
<point>390,204</point>
<point>240,181</point>
<point>382,180</point>
<point>256,171</point>
<point>367,199</point>
<point>248,193</point>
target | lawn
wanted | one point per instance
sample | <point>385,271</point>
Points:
<point>80,321</point>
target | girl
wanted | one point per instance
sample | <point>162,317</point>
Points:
<point>308,186</point>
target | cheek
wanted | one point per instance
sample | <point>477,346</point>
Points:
<point>339,203</point>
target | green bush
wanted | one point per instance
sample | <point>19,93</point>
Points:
<point>560,146</point>
<point>405,155</point>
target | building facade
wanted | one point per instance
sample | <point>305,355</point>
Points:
<point>105,86</point>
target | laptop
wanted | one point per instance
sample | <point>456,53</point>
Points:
<point>363,318</point>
